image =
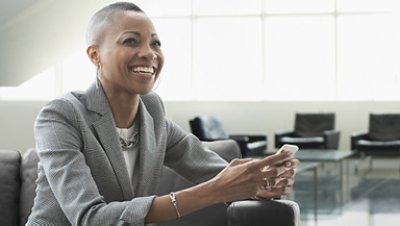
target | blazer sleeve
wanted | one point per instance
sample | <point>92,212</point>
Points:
<point>59,144</point>
<point>189,157</point>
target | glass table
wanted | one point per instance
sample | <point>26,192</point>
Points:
<point>326,155</point>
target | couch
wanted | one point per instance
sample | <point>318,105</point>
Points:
<point>17,190</point>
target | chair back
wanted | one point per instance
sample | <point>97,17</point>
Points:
<point>384,126</point>
<point>313,124</point>
<point>208,128</point>
<point>10,162</point>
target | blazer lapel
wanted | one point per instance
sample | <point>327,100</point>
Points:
<point>148,164</point>
<point>106,130</point>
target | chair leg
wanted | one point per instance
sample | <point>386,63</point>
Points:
<point>358,162</point>
<point>356,170</point>
<point>370,163</point>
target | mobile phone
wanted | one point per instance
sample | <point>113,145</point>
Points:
<point>288,147</point>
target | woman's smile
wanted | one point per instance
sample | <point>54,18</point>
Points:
<point>145,73</point>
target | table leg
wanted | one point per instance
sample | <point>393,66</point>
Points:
<point>315,188</point>
<point>341,182</point>
<point>347,187</point>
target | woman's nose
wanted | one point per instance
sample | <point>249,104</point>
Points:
<point>147,52</point>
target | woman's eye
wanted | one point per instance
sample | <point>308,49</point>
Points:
<point>131,41</point>
<point>156,44</point>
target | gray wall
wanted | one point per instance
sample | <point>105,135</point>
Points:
<point>17,117</point>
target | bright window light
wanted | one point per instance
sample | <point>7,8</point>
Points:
<point>299,60</point>
<point>227,62</point>
<point>226,7</point>
<point>299,6</point>
<point>40,87</point>
<point>175,80</point>
<point>366,5</point>
<point>77,72</point>
<point>258,50</point>
<point>368,58</point>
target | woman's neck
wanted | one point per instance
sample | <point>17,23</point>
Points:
<point>124,108</point>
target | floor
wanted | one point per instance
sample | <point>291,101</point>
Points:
<point>370,197</point>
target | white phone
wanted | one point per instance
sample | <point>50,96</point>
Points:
<point>290,148</point>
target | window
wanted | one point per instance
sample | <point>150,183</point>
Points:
<point>40,87</point>
<point>275,50</point>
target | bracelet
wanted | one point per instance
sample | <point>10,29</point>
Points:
<point>175,204</point>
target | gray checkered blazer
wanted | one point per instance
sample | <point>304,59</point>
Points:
<point>82,175</point>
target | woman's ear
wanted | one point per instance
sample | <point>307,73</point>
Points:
<point>93,54</point>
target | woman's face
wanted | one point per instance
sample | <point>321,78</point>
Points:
<point>130,54</point>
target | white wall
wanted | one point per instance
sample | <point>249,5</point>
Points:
<point>42,35</point>
<point>268,117</point>
<point>16,124</point>
<point>16,118</point>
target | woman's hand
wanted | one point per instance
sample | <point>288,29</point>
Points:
<point>256,178</point>
<point>279,185</point>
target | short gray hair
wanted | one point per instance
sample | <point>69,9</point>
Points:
<point>103,17</point>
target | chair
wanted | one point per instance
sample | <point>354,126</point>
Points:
<point>210,128</point>
<point>382,137</point>
<point>312,130</point>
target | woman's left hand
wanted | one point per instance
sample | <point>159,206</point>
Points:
<point>276,187</point>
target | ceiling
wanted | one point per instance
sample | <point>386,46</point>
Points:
<point>11,8</point>
<point>36,34</point>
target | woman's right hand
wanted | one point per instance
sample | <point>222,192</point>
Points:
<point>247,178</point>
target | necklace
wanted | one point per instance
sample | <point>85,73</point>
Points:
<point>126,144</point>
<point>128,137</point>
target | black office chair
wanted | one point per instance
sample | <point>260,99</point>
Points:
<point>313,130</point>
<point>210,128</point>
<point>382,137</point>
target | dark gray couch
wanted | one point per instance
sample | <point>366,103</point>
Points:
<point>17,190</point>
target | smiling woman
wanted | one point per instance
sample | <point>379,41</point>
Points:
<point>101,151</point>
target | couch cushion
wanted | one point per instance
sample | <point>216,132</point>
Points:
<point>384,126</point>
<point>305,142</point>
<point>28,185</point>
<point>208,128</point>
<point>10,183</point>
<point>378,146</point>
<point>313,124</point>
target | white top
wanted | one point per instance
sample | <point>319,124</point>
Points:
<point>130,146</point>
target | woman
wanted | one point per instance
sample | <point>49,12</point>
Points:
<point>101,151</point>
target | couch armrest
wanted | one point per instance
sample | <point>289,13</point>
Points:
<point>357,136</point>
<point>331,138</point>
<point>280,134</point>
<point>263,212</point>
<point>250,144</point>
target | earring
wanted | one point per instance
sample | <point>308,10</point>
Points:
<point>98,75</point>
<point>99,71</point>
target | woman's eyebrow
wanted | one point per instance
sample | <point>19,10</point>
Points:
<point>132,32</point>
<point>138,33</point>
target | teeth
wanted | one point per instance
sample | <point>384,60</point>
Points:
<point>144,70</point>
